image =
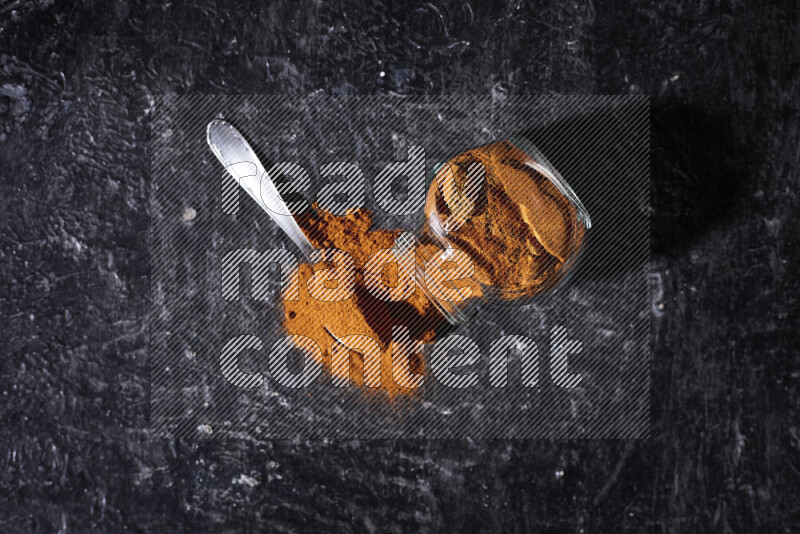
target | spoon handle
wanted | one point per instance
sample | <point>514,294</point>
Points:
<point>239,159</point>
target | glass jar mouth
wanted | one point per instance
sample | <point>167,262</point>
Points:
<point>544,167</point>
<point>461,311</point>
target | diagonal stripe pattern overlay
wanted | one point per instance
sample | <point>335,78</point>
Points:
<point>575,360</point>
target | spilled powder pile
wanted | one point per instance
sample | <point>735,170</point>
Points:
<point>362,313</point>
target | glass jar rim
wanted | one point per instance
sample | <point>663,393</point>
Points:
<point>458,313</point>
<point>544,167</point>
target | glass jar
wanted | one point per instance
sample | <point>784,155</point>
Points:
<point>501,225</point>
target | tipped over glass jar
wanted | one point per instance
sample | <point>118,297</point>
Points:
<point>501,225</point>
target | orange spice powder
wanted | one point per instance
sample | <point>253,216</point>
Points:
<point>521,229</point>
<point>519,234</point>
<point>362,313</point>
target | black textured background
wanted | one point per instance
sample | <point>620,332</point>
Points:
<point>77,81</point>
<point>601,143</point>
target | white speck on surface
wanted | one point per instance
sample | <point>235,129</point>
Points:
<point>656,294</point>
<point>245,480</point>
<point>189,214</point>
<point>73,244</point>
<point>773,226</point>
<point>605,333</point>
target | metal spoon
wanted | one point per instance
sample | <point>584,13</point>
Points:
<point>239,159</point>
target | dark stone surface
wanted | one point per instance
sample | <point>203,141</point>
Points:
<point>76,84</point>
<point>606,305</point>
